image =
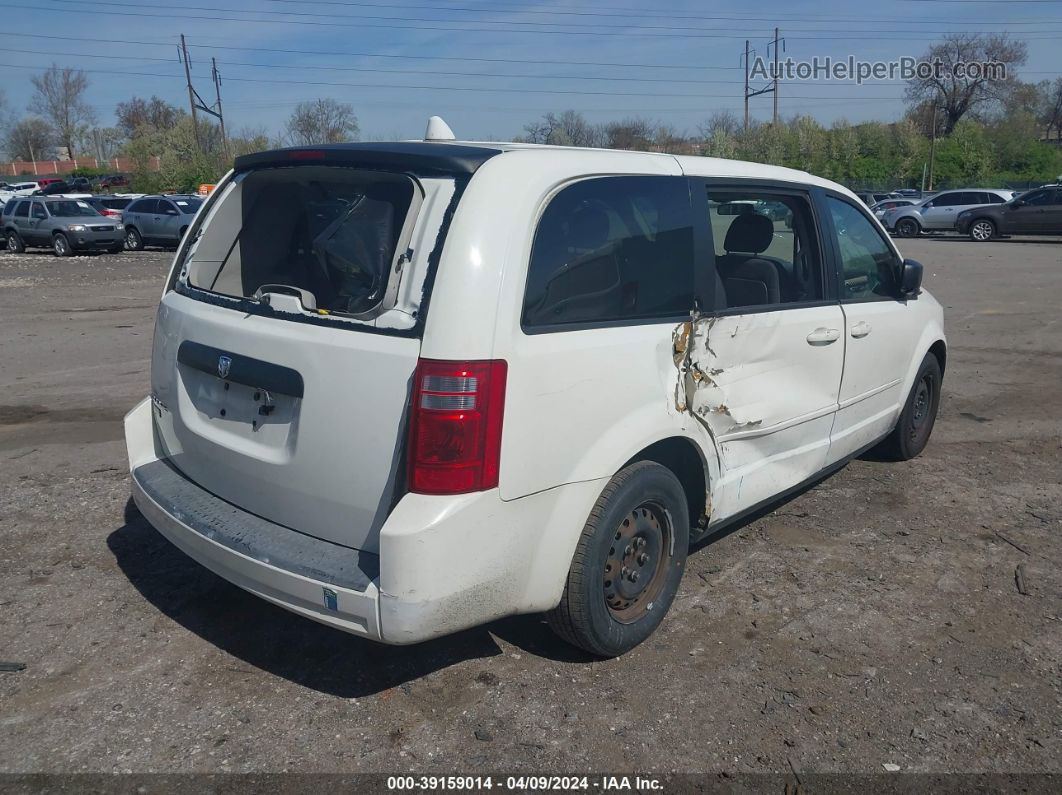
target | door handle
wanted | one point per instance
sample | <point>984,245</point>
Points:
<point>823,336</point>
<point>860,329</point>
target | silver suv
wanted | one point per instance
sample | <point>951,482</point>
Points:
<point>61,224</point>
<point>938,213</point>
<point>158,220</point>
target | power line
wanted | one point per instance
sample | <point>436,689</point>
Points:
<point>875,35</point>
<point>596,26</point>
<point>477,89</point>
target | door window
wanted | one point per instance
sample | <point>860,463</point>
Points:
<point>22,211</point>
<point>165,208</point>
<point>868,264</point>
<point>1039,198</point>
<point>143,206</point>
<point>38,211</point>
<point>612,249</point>
<point>994,198</point>
<point>766,250</point>
<point>945,200</point>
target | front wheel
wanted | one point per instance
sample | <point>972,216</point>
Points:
<point>911,434</point>
<point>982,230</point>
<point>907,227</point>
<point>628,562</point>
<point>133,240</point>
<point>61,246</point>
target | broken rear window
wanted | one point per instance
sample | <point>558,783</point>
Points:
<point>335,233</point>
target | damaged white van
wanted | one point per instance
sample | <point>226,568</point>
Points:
<point>408,388</point>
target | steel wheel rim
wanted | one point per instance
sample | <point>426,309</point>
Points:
<point>635,570</point>
<point>923,400</point>
<point>982,231</point>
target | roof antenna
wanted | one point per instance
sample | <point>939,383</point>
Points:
<point>438,130</point>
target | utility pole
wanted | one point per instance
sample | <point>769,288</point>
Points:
<point>746,85</point>
<point>775,89</point>
<point>191,92</point>
<point>196,102</point>
<point>932,145</point>
<point>217,93</point>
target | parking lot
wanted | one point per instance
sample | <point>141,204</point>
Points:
<point>875,619</point>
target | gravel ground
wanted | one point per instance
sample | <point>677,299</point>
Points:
<point>874,619</point>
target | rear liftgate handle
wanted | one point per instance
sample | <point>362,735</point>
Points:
<point>823,336</point>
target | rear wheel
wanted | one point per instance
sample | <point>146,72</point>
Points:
<point>907,227</point>
<point>912,431</point>
<point>133,240</point>
<point>61,246</point>
<point>14,243</point>
<point>628,562</point>
<point>982,230</point>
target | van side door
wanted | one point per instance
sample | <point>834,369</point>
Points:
<point>881,329</point>
<point>765,357</point>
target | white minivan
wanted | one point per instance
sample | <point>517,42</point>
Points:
<point>408,388</point>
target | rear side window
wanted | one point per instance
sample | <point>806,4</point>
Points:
<point>22,211</point>
<point>335,233</point>
<point>612,249</point>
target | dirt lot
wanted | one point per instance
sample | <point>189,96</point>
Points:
<point>872,620</point>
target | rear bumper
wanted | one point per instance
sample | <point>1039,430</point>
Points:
<point>445,563</point>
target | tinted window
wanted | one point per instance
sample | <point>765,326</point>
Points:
<point>946,200</point>
<point>994,198</point>
<point>22,211</point>
<point>614,248</point>
<point>1040,197</point>
<point>143,206</point>
<point>38,211</point>
<point>766,251</point>
<point>71,208</point>
<point>868,264</point>
<point>115,204</point>
<point>188,206</point>
<point>165,208</point>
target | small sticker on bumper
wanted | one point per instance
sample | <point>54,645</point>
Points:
<point>331,599</point>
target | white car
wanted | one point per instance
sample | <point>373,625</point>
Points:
<point>408,388</point>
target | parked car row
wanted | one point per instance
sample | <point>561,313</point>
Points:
<point>982,214</point>
<point>71,223</point>
<point>57,185</point>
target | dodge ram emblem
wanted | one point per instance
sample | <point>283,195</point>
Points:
<point>224,363</point>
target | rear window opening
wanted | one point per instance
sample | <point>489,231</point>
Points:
<point>335,236</point>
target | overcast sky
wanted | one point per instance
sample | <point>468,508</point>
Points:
<point>489,67</point>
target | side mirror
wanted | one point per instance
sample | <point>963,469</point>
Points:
<point>1017,203</point>
<point>911,278</point>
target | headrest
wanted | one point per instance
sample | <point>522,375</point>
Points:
<point>588,229</point>
<point>750,233</point>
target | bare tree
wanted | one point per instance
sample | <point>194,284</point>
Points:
<point>139,115</point>
<point>60,99</point>
<point>630,133</point>
<point>569,128</point>
<point>29,139</point>
<point>722,122</point>
<point>321,121</point>
<point>956,94</point>
<point>1050,115</point>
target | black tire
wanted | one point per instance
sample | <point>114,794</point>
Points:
<point>14,243</point>
<point>911,434</point>
<point>643,507</point>
<point>61,245</point>
<point>908,227</point>
<point>982,230</point>
<point>133,240</point>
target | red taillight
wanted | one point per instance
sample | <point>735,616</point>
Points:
<point>456,425</point>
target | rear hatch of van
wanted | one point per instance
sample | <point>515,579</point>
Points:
<point>285,347</point>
